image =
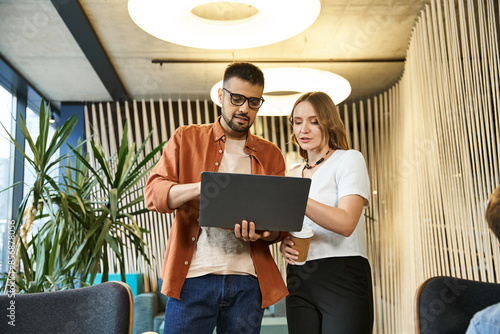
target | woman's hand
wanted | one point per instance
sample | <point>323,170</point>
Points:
<point>288,252</point>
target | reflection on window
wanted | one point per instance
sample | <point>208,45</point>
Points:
<point>6,172</point>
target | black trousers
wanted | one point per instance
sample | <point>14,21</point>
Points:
<point>332,295</point>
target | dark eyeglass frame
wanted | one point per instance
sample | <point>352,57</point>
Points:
<point>232,95</point>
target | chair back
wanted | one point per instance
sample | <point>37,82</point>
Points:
<point>102,308</point>
<point>447,304</point>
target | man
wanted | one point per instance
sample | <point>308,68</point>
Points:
<point>217,277</point>
<point>488,320</point>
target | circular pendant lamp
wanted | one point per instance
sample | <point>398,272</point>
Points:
<point>284,85</point>
<point>224,25</point>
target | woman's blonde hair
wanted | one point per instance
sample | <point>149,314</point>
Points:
<point>328,118</point>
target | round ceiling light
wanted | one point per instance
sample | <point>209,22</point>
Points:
<point>284,85</point>
<point>223,25</point>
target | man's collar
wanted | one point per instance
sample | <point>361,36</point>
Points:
<point>218,131</point>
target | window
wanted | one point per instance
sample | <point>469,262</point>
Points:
<point>6,171</point>
<point>16,96</point>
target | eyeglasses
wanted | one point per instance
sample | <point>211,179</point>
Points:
<point>239,100</point>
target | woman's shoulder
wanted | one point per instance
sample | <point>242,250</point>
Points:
<point>351,155</point>
<point>350,161</point>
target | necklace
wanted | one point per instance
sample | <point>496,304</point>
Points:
<point>307,166</point>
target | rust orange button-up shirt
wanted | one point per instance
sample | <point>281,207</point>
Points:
<point>190,151</point>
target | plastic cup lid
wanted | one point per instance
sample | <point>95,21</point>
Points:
<point>303,234</point>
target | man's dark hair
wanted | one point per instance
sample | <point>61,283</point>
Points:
<point>245,71</point>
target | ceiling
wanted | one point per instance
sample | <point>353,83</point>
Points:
<point>52,45</point>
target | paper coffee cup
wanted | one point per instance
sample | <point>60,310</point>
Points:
<point>301,241</point>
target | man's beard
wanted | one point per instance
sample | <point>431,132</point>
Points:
<point>234,126</point>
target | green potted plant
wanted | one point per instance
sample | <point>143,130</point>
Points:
<point>84,214</point>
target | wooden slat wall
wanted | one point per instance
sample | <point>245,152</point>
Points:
<point>432,146</point>
<point>433,149</point>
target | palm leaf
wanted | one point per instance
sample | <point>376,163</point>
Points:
<point>27,136</point>
<point>100,157</point>
<point>124,156</point>
<point>19,148</point>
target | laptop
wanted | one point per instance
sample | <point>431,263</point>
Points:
<point>273,203</point>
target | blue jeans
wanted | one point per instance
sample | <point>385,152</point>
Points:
<point>232,303</point>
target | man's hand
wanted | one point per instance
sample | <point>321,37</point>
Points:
<point>247,232</point>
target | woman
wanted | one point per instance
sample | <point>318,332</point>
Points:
<point>332,291</point>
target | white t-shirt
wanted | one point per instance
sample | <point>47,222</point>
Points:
<point>344,173</point>
<point>218,251</point>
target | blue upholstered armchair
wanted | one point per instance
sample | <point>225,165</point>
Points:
<point>101,308</point>
<point>149,310</point>
<point>447,304</point>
